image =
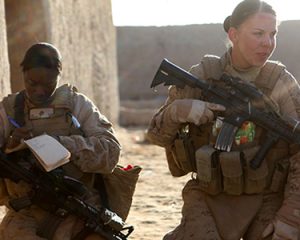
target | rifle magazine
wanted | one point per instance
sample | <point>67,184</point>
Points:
<point>226,137</point>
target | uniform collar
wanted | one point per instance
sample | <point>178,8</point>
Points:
<point>248,75</point>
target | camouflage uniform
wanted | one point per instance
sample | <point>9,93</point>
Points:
<point>96,152</point>
<point>225,216</point>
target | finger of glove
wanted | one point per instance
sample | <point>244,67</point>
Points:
<point>215,107</point>
<point>197,113</point>
<point>268,230</point>
<point>285,231</point>
<point>179,110</point>
<point>186,110</point>
<point>207,116</point>
<point>281,237</point>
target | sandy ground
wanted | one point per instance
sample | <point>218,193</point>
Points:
<point>157,201</point>
<point>156,207</point>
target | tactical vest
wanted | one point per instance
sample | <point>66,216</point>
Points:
<point>55,120</point>
<point>230,172</point>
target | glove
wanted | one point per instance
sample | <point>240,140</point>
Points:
<point>193,111</point>
<point>287,221</point>
<point>280,231</point>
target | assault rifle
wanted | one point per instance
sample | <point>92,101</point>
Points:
<point>61,195</point>
<point>241,101</point>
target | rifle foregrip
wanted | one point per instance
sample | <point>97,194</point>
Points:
<point>259,157</point>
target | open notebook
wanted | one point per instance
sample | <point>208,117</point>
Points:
<point>49,152</point>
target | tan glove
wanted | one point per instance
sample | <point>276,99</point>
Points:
<point>193,111</point>
<point>280,231</point>
<point>287,221</point>
<point>164,125</point>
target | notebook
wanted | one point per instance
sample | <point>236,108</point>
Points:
<point>49,152</point>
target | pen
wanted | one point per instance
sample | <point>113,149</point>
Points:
<point>75,122</point>
<point>13,122</point>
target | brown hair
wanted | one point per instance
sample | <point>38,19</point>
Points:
<point>244,10</point>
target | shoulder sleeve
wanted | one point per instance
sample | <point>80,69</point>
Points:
<point>286,93</point>
<point>99,149</point>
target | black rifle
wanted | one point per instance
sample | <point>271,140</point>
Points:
<point>62,195</point>
<point>241,101</point>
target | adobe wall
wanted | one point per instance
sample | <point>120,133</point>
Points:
<point>4,64</point>
<point>84,32</point>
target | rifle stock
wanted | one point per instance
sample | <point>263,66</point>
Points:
<point>240,100</point>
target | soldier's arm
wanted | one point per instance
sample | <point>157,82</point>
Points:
<point>97,151</point>
<point>162,129</point>
<point>287,221</point>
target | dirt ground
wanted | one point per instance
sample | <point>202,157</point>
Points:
<point>157,201</point>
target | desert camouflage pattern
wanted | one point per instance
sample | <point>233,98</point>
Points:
<point>197,220</point>
<point>96,152</point>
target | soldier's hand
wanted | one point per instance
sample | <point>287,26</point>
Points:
<point>193,111</point>
<point>280,230</point>
<point>18,135</point>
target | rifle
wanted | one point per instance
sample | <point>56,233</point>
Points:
<point>241,101</point>
<point>57,193</point>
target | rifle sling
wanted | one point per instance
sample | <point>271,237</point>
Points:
<point>100,187</point>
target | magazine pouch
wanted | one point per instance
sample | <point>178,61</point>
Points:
<point>280,175</point>
<point>255,179</point>
<point>208,170</point>
<point>183,153</point>
<point>232,172</point>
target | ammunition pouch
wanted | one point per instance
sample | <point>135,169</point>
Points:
<point>255,180</point>
<point>181,156</point>
<point>184,154</point>
<point>280,175</point>
<point>208,170</point>
<point>230,172</point>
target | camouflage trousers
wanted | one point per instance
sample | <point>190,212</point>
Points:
<point>198,223</point>
<point>23,225</point>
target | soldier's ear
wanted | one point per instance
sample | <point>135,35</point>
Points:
<point>233,34</point>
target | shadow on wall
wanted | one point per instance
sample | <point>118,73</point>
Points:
<point>24,27</point>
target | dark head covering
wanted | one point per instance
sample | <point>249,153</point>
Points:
<point>42,55</point>
<point>244,10</point>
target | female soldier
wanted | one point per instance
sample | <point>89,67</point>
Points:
<point>226,198</point>
<point>43,107</point>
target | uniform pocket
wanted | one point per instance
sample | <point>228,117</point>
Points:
<point>255,179</point>
<point>184,154</point>
<point>232,171</point>
<point>280,175</point>
<point>208,170</point>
